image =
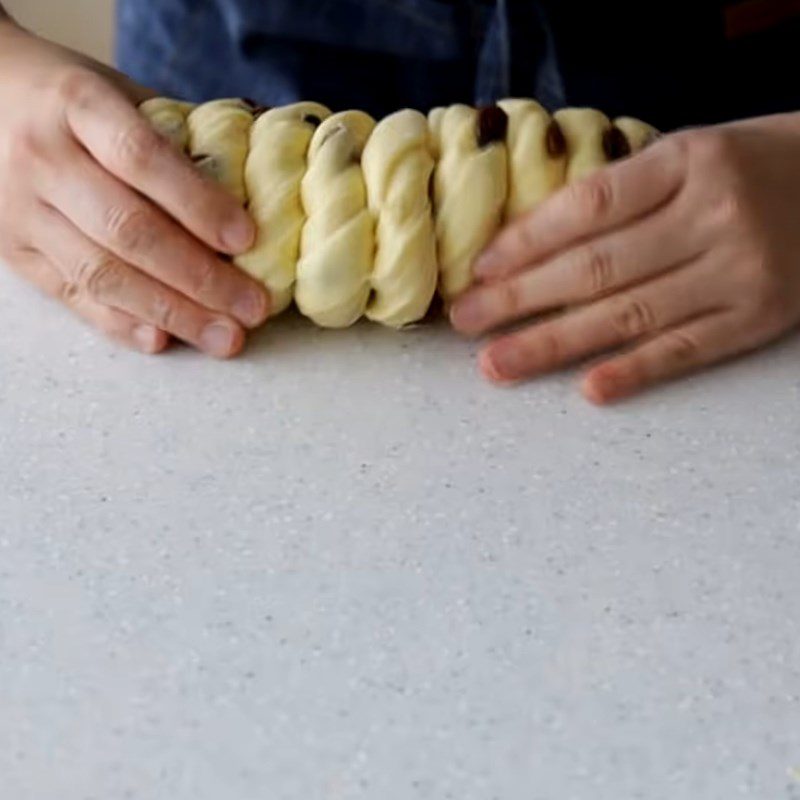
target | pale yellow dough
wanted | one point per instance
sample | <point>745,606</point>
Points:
<point>397,165</point>
<point>338,241</point>
<point>639,134</point>
<point>584,129</point>
<point>533,172</point>
<point>220,132</point>
<point>470,190</point>
<point>169,117</point>
<point>355,218</point>
<point>275,167</point>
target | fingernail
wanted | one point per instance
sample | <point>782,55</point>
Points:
<point>146,337</point>
<point>251,307</point>
<point>486,264</point>
<point>467,313</point>
<point>217,339</point>
<point>238,234</point>
<point>503,362</point>
<point>605,386</point>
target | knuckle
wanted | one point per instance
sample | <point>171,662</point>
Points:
<point>632,317</point>
<point>163,311</point>
<point>205,278</point>
<point>713,148</point>
<point>74,84</point>
<point>768,297</point>
<point>96,277</point>
<point>596,271</point>
<point>135,146</point>
<point>682,348</point>
<point>550,350</point>
<point>24,146</point>
<point>593,197</point>
<point>508,298</point>
<point>129,228</point>
<point>525,236</point>
<point>729,211</point>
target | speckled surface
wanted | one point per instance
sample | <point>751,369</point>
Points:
<point>343,567</point>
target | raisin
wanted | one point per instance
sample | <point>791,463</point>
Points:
<point>615,144</point>
<point>555,141</point>
<point>492,125</point>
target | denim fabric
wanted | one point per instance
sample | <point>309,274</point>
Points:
<point>660,62</point>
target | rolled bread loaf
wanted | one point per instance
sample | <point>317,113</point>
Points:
<point>357,219</point>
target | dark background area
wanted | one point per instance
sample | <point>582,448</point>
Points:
<point>764,46</point>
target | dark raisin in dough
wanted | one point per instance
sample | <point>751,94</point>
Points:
<point>555,141</point>
<point>492,125</point>
<point>616,144</point>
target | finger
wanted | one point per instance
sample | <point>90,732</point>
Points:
<point>630,315</point>
<point>122,327</point>
<point>610,197</point>
<point>668,355</point>
<point>585,272</point>
<point>118,325</point>
<point>94,276</point>
<point>126,224</point>
<point>113,131</point>
<point>31,265</point>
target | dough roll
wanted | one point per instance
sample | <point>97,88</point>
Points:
<point>338,240</point>
<point>398,165</point>
<point>169,118</point>
<point>219,141</point>
<point>470,187</point>
<point>359,219</point>
<point>274,170</point>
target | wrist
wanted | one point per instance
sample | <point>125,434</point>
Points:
<point>7,23</point>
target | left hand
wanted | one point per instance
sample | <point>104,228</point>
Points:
<point>683,255</point>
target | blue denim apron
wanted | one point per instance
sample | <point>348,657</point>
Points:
<point>660,62</point>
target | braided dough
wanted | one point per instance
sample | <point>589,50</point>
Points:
<point>360,219</point>
<point>338,239</point>
<point>398,165</point>
<point>169,117</point>
<point>279,142</point>
<point>469,193</point>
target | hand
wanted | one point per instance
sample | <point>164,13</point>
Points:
<point>682,256</point>
<point>99,211</point>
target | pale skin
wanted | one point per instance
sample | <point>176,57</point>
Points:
<point>98,211</point>
<point>680,257</point>
<point>683,256</point>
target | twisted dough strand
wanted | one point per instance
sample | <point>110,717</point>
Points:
<point>639,134</point>
<point>537,157</point>
<point>169,118</point>
<point>219,140</point>
<point>338,242</point>
<point>398,165</point>
<point>470,189</point>
<point>274,170</point>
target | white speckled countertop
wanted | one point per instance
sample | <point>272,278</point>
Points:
<point>343,567</point>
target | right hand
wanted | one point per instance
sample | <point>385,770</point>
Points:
<point>99,211</point>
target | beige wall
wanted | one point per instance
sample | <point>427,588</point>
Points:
<point>83,24</point>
